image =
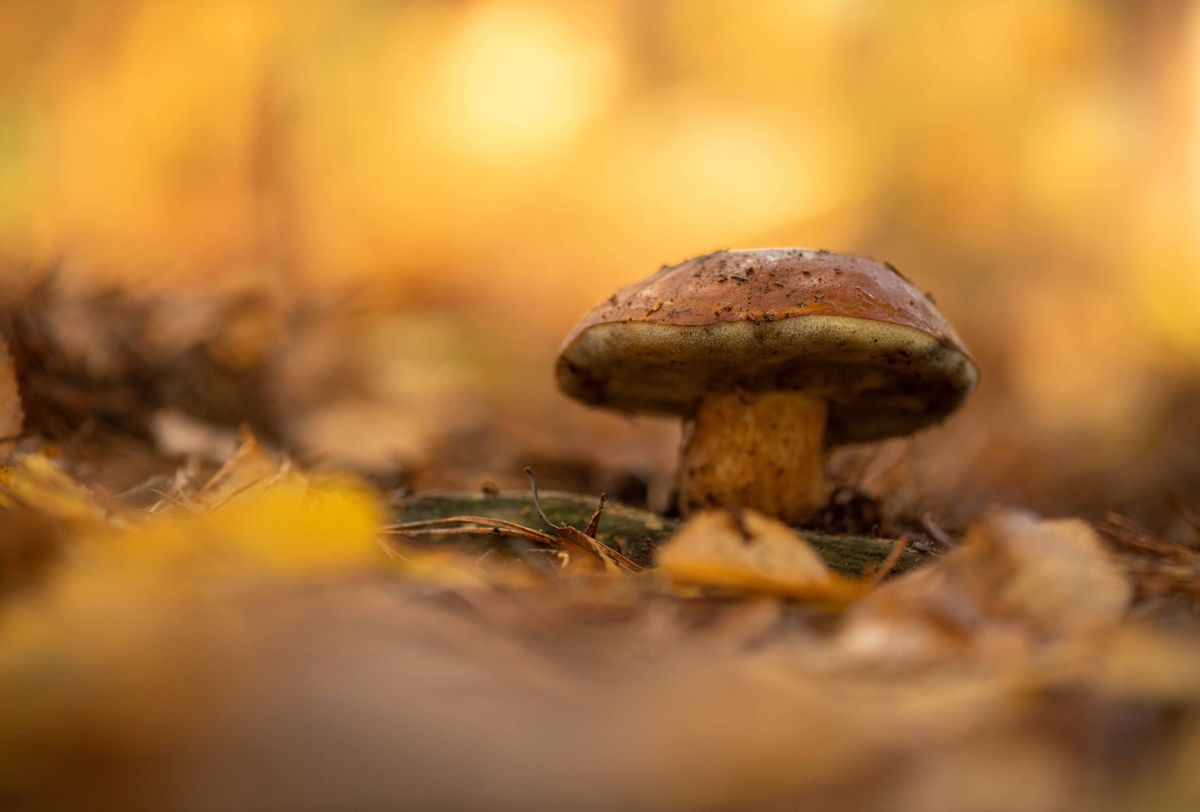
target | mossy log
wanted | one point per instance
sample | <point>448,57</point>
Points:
<point>633,531</point>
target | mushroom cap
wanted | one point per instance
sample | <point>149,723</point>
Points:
<point>847,329</point>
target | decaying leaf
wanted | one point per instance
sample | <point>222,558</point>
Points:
<point>136,649</point>
<point>1062,580</point>
<point>1015,578</point>
<point>751,553</point>
<point>139,643</point>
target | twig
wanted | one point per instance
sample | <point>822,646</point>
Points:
<point>564,538</point>
<point>889,563</point>
<point>594,523</point>
<point>484,520</point>
<point>1127,533</point>
<point>537,503</point>
<point>481,529</point>
<point>585,541</point>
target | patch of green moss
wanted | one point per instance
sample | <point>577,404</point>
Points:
<point>635,532</point>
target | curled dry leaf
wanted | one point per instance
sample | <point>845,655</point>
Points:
<point>1016,578</point>
<point>751,553</point>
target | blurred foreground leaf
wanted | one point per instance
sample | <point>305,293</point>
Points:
<point>248,639</point>
<point>1015,581</point>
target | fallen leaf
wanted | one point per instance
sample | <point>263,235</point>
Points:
<point>751,553</point>
<point>34,481</point>
<point>1015,580</point>
<point>249,471</point>
<point>295,527</point>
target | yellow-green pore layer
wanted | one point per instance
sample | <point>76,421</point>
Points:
<point>879,379</point>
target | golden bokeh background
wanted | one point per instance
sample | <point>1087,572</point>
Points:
<point>483,171</point>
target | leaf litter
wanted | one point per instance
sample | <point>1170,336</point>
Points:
<point>254,621</point>
<point>266,633</point>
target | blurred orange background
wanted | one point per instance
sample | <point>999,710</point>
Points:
<point>483,171</point>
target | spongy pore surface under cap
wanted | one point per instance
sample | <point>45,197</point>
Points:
<point>842,328</point>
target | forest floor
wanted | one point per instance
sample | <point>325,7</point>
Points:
<point>198,616</point>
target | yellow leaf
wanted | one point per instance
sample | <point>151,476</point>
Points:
<point>250,470</point>
<point>292,528</point>
<point>297,528</point>
<point>757,554</point>
<point>35,481</point>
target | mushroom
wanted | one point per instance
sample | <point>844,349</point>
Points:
<point>770,356</point>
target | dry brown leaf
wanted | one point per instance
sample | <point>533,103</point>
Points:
<point>1016,579</point>
<point>1061,577</point>
<point>751,553</point>
<point>251,468</point>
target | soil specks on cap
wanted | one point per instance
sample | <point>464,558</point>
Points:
<point>896,271</point>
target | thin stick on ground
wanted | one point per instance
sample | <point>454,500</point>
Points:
<point>889,563</point>
<point>562,537</point>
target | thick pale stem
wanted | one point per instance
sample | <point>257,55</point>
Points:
<point>758,450</point>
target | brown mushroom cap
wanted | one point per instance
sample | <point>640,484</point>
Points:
<point>847,329</point>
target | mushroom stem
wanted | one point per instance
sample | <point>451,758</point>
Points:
<point>759,450</point>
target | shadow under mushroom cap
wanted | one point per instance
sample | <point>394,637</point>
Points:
<point>879,379</point>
